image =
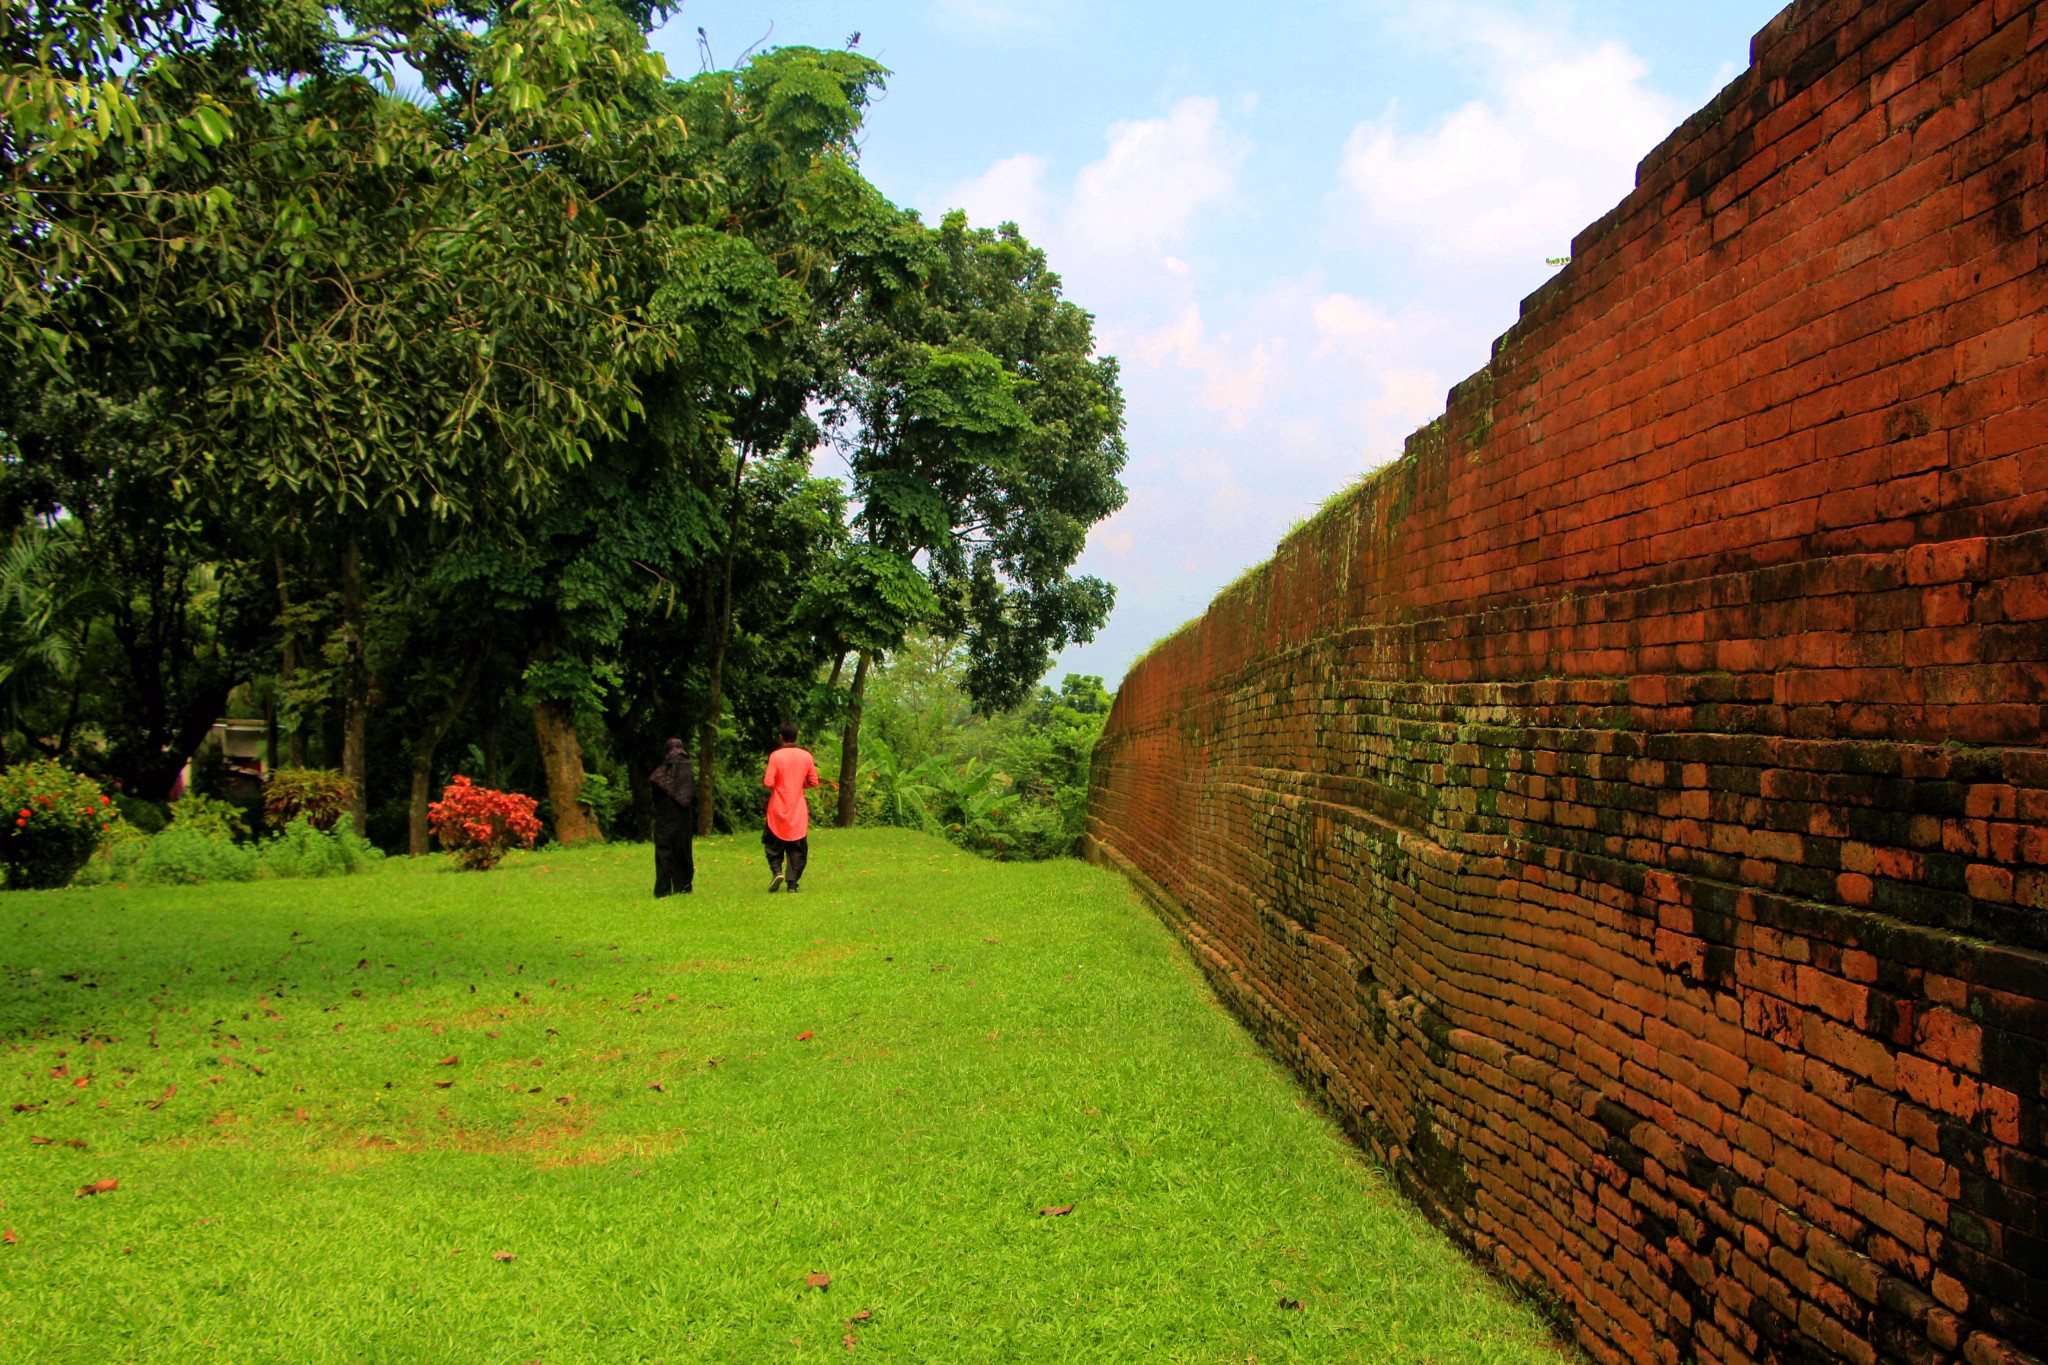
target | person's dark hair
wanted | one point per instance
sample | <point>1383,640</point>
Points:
<point>788,731</point>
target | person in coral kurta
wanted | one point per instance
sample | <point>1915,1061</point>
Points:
<point>790,770</point>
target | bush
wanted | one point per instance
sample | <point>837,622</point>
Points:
<point>51,820</point>
<point>305,850</point>
<point>148,817</point>
<point>321,795</point>
<point>479,825</point>
<point>182,857</point>
<point>196,814</point>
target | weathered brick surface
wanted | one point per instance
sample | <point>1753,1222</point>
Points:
<point>1629,808</point>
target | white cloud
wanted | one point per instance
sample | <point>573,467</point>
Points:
<point>1511,177</point>
<point>1011,191</point>
<point>1142,196</point>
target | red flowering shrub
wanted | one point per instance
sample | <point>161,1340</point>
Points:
<point>51,820</point>
<point>479,825</point>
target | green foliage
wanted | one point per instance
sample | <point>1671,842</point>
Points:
<point>182,857</point>
<point>145,817</point>
<point>605,797</point>
<point>209,815</point>
<point>303,849</point>
<point>1014,785</point>
<point>51,820</point>
<point>985,438</point>
<point>317,795</point>
<point>425,420</point>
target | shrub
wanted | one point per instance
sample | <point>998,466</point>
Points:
<point>305,850</point>
<point>322,795</point>
<point>479,825</point>
<point>183,857</point>
<point>148,817</point>
<point>51,820</point>
<point>196,814</point>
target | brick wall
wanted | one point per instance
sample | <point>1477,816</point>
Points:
<point>1629,808</point>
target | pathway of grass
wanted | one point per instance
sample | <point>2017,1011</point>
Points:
<point>335,1109</point>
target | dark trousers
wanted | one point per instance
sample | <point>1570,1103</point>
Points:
<point>798,852</point>
<point>675,866</point>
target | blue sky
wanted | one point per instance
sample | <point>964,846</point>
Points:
<point>1297,225</point>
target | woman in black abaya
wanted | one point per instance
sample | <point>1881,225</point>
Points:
<point>675,820</point>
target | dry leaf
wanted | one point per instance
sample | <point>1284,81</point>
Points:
<point>43,1141</point>
<point>818,1279</point>
<point>8,1237</point>
<point>804,1036</point>
<point>82,1082</point>
<point>1290,1305</point>
<point>862,1316</point>
<point>99,1187</point>
<point>442,1085</point>
<point>657,1085</point>
<point>450,1060</point>
<point>850,1341</point>
<point>503,1256</point>
<point>1056,1210</point>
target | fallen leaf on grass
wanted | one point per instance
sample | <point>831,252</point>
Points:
<point>1290,1305</point>
<point>850,1341</point>
<point>450,1060</point>
<point>43,1141</point>
<point>107,1186</point>
<point>657,1085</point>
<point>862,1316</point>
<point>817,1279</point>
<point>8,1237</point>
<point>1056,1210</point>
<point>442,1085</point>
<point>804,1037</point>
<point>503,1256</point>
<point>82,1082</point>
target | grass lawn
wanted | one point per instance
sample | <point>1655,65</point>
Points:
<point>535,1115</point>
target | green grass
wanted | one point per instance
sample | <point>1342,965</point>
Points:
<point>986,1040</point>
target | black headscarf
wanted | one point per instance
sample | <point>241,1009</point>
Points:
<point>675,778</point>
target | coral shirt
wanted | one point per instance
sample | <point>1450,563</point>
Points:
<point>790,770</point>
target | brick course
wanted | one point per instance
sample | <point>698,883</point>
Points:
<point>1629,809</point>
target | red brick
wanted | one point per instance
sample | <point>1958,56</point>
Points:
<point>1617,767</point>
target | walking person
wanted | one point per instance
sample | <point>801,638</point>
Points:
<point>675,821</point>
<point>790,770</point>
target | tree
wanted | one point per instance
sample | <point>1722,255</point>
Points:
<point>985,439</point>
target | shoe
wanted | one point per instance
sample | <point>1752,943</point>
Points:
<point>792,888</point>
<point>775,885</point>
<point>687,891</point>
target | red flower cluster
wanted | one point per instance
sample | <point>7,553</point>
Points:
<point>479,825</point>
<point>59,816</point>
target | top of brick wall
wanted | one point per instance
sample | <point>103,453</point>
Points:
<point>1809,331</point>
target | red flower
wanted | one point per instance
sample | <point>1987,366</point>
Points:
<point>479,825</point>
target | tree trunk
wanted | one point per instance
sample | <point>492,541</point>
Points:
<point>429,740</point>
<point>288,661</point>
<point>849,746</point>
<point>707,734</point>
<point>561,761</point>
<point>355,699</point>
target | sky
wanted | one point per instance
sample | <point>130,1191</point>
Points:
<point>1296,225</point>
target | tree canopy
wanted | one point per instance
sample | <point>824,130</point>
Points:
<point>438,384</point>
